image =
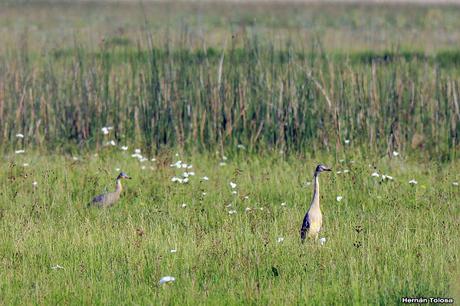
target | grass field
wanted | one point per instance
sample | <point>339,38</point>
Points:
<point>254,96</point>
<point>385,239</point>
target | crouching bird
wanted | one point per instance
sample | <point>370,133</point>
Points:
<point>110,198</point>
<point>313,220</point>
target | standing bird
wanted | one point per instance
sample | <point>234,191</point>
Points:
<point>313,220</point>
<point>109,198</point>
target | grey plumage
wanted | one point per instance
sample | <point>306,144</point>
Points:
<point>110,198</point>
<point>313,220</point>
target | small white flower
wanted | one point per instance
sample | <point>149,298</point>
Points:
<point>25,165</point>
<point>205,178</point>
<point>387,177</point>
<point>339,198</point>
<point>395,153</point>
<point>413,182</point>
<point>307,183</point>
<point>375,174</point>
<point>224,157</point>
<point>57,267</point>
<point>175,179</point>
<point>143,159</point>
<point>322,240</point>
<point>19,151</point>
<point>191,173</point>
<point>339,172</point>
<point>177,154</point>
<point>189,166</point>
<point>111,143</point>
<point>137,151</point>
<point>185,174</point>
<point>153,159</point>
<point>166,279</point>
<point>185,180</point>
<point>222,164</point>
<point>246,197</point>
<point>184,205</point>
<point>234,192</point>
<point>117,169</point>
<point>283,204</point>
<point>35,184</point>
<point>184,165</point>
<point>228,206</point>
<point>240,146</point>
<point>143,167</point>
<point>19,135</point>
<point>204,193</point>
<point>173,251</point>
<point>455,183</point>
<point>232,185</point>
<point>124,148</point>
<point>280,239</point>
<point>347,141</point>
<point>346,171</point>
<point>248,209</point>
<point>105,130</point>
<point>232,212</point>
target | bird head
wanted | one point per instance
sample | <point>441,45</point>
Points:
<point>320,168</point>
<point>123,175</point>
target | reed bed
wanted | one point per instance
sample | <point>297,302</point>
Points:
<point>259,96</point>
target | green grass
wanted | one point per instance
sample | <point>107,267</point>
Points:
<point>385,240</point>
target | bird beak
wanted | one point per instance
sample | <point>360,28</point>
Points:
<point>327,169</point>
<point>128,177</point>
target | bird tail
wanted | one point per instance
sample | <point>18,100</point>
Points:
<point>303,233</point>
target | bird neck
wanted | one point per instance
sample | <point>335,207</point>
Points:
<point>315,201</point>
<point>119,188</point>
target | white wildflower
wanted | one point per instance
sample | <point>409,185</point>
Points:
<point>173,251</point>
<point>205,178</point>
<point>222,164</point>
<point>339,198</point>
<point>395,153</point>
<point>413,182</point>
<point>25,165</point>
<point>280,239</point>
<point>240,146</point>
<point>248,209</point>
<point>35,184</point>
<point>57,267</point>
<point>322,240</point>
<point>375,174</point>
<point>346,171</point>
<point>455,183</point>
<point>232,212</point>
<point>184,205</point>
<point>166,279</point>
<point>111,143</point>
<point>283,204</point>
<point>137,151</point>
<point>347,141</point>
<point>124,148</point>
<point>19,135</point>
<point>232,185</point>
<point>20,151</point>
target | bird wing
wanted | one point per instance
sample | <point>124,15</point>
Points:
<point>305,227</point>
<point>99,199</point>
